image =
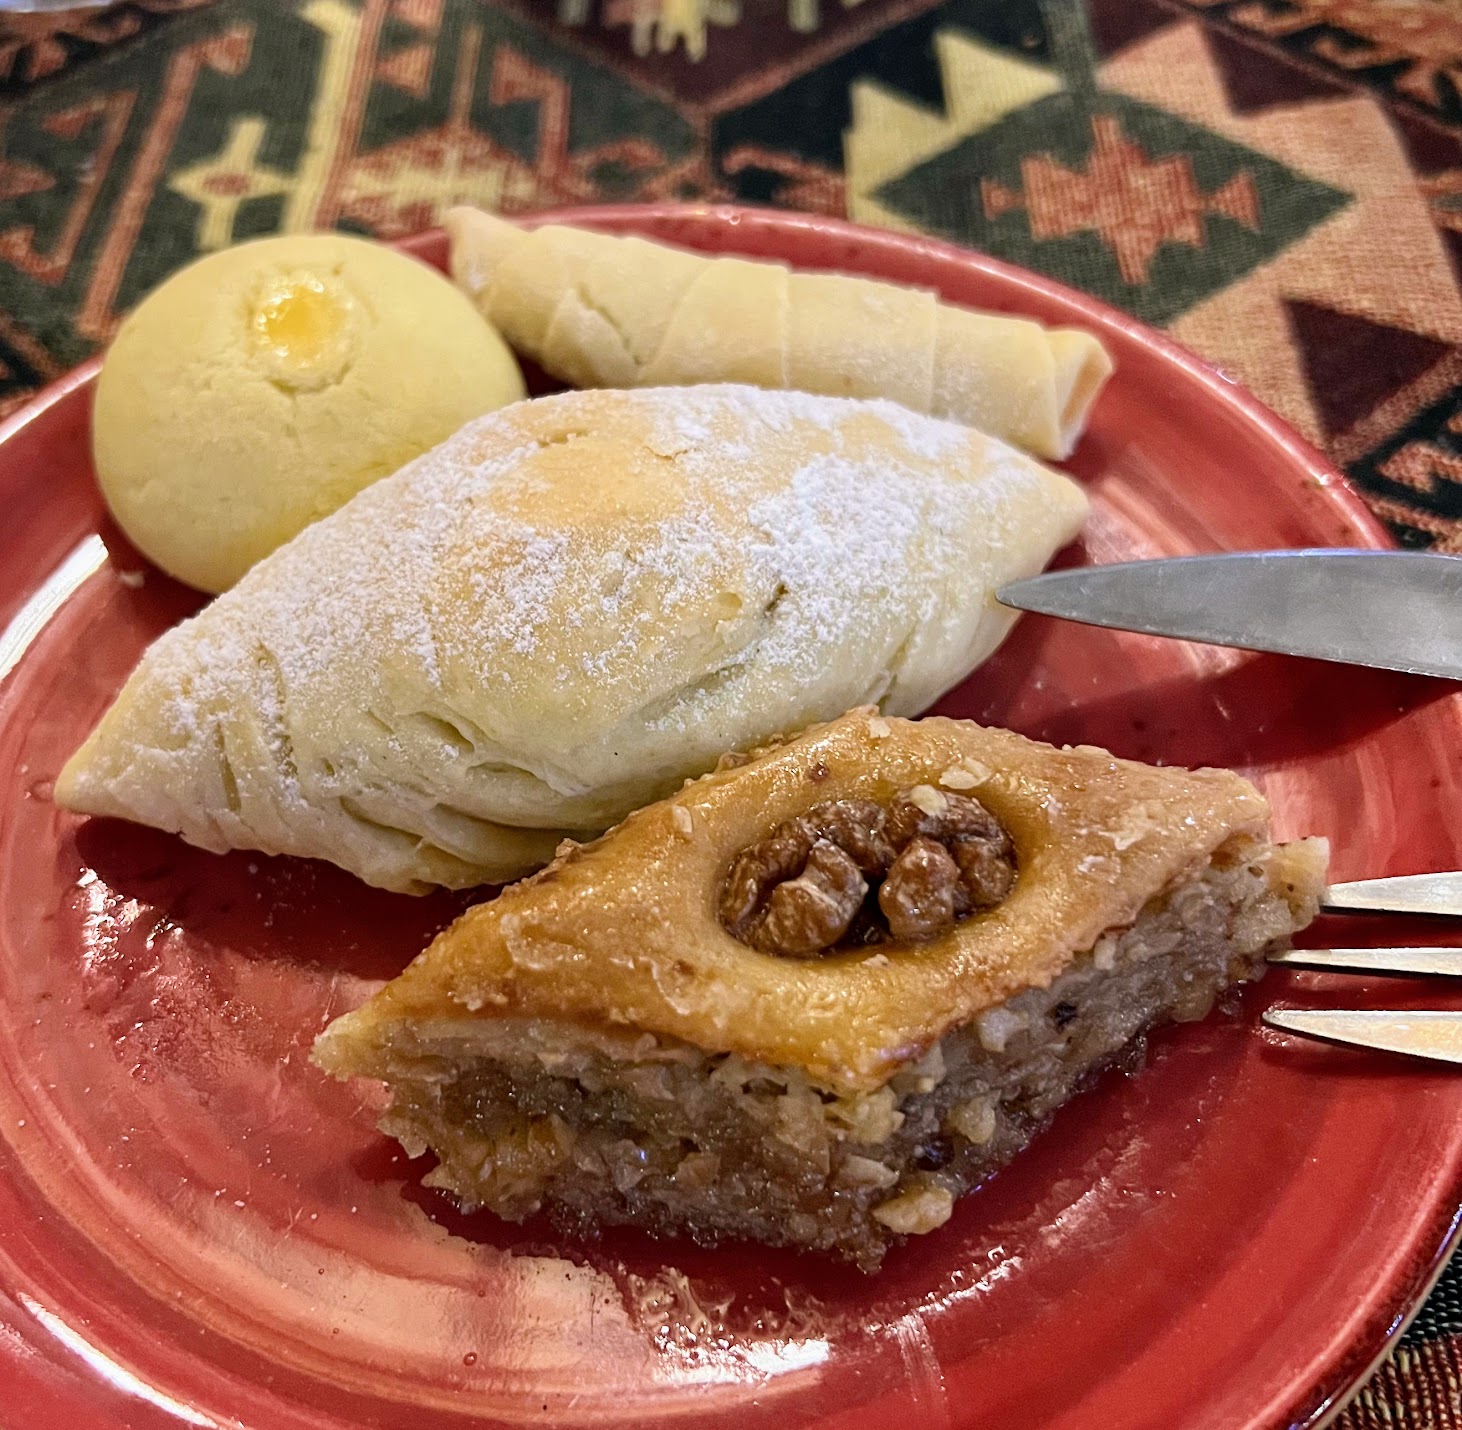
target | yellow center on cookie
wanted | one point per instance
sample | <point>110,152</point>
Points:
<point>305,327</point>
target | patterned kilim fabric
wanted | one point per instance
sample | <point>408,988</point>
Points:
<point>1278,183</point>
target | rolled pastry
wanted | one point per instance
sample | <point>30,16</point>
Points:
<point>561,613</point>
<point>603,311</point>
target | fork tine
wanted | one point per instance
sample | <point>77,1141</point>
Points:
<point>1444,961</point>
<point>1409,894</point>
<point>1434,1035</point>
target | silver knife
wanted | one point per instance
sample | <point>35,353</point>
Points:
<point>1398,610</point>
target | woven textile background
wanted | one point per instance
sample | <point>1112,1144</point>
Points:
<point>1276,182</point>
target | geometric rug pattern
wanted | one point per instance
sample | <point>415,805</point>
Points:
<point>1278,183</point>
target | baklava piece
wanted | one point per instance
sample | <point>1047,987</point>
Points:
<point>814,996</point>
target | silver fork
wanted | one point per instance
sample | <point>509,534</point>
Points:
<point>1426,1034</point>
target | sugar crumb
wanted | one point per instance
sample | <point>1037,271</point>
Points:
<point>928,799</point>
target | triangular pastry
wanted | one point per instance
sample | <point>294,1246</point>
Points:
<point>813,996</point>
<point>603,310</point>
<point>563,611</point>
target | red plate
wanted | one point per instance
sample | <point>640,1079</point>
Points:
<point>196,1228</point>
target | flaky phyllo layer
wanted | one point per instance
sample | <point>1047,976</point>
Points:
<point>607,1043</point>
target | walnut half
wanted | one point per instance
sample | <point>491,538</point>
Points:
<point>851,872</point>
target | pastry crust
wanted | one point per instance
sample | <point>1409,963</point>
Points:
<point>264,385</point>
<point>596,1044</point>
<point>563,611</point>
<point>623,934</point>
<point>605,311</point>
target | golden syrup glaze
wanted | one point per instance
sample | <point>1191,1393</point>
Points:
<point>623,934</point>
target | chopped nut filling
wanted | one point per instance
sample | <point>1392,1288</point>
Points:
<point>852,872</point>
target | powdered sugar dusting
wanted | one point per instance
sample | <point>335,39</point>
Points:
<point>930,439</point>
<point>516,597</point>
<point>747,560</point>
<point>837,536</point>
<point>365,573</point>
<point>834,538</point>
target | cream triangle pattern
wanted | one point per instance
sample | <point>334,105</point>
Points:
<point>891,134</point>
<point>1379,257</point>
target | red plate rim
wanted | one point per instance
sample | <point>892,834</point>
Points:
<point>1315,1401</point>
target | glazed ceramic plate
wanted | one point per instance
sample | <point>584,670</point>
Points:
<point>198,1229</point>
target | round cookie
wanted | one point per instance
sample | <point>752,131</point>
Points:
<point>262,387</point>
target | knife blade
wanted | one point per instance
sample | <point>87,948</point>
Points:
<point>1396,610</point>
<point>1401,894</point>
<point>1434,1035</point>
